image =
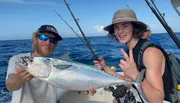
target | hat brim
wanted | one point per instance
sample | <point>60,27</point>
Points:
<point>111,26</point>
<point>58,37</point>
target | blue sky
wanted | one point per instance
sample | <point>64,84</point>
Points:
<point>19,18</point>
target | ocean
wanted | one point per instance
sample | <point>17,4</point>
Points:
<point>102,46</point>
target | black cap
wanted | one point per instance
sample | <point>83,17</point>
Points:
<point>49,29</point>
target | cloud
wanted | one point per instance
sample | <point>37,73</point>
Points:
<point>27,2</point>
<point>99,28</point>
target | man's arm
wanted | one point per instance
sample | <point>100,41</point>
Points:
<point>16,80</point>
<point>15,76</point>
<point>154,61</point>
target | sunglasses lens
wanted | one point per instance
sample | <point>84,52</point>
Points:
<point>45,38</point>
<point>52,40</point>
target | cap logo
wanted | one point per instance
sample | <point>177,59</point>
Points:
<point>51,29</point>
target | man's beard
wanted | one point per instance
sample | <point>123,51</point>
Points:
<point>41,52</point>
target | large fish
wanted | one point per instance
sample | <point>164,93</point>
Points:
<point>68,74</point>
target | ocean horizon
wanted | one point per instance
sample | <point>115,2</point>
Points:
<point>79,35</point>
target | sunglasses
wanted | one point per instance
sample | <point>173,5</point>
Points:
<point>45,38</point>
<point>146,30</point>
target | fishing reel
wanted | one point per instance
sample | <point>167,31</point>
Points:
<point>123,94</point>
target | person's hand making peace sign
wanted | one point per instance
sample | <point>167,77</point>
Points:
<point>128,65</point>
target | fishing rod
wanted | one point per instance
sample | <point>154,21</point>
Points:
<point>126,4</point>
<point>88,44</point>
<point>162,17</point>
<point>158,12</point>
<point>70,27</point>
<point>85,38</point>
<point>165,25</point>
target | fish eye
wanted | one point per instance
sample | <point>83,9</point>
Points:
<point>31,59</point>
<point>47,60</point>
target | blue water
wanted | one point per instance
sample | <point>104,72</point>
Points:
<point>103,47</point>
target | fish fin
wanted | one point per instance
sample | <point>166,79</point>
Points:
<point>62,67</point>
<point>65,56</point>
<point>140,76</point>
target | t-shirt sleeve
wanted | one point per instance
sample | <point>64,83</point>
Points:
<point>12,67</point>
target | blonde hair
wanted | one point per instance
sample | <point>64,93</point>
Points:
<point>32,39</point>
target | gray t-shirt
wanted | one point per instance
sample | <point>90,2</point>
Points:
<point>33,91</point>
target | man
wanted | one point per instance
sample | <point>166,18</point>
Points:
<point>27,89</point>
<point>147,35</point>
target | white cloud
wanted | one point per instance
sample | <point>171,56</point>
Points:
<point>99,28</point>
<point>26,2</point>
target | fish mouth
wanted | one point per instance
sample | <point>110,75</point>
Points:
<point>27,59</point>
<point>24,61</point>
<point>20,64</point>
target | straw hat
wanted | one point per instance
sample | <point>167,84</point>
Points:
<point>124,15</point>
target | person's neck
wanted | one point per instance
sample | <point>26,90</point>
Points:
<point>132,43</point>
<point>35,54</point>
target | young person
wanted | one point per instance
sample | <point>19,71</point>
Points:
<point>128,30</point>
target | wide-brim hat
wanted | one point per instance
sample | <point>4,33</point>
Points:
<point>124,15</point>
<point>49,29</point>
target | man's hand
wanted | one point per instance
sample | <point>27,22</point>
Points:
<point>25,76</point>
<point>16,80</point>
<point>91,91</point>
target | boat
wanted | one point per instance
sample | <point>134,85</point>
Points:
<point>81,97</point>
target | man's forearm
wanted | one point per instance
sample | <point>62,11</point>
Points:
<point>14,82</point>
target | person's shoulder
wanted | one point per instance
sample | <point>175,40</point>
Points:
<point>18,56</point>
<point>152,52</point>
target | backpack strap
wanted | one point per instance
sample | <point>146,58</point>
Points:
<point>145,45</point>
<point>140,64</point>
